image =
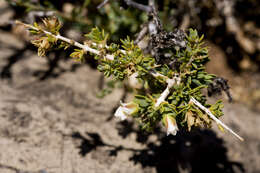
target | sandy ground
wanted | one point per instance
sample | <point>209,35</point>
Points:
<point>58,125</point>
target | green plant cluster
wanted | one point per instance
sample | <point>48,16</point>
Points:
<point>128,59</point>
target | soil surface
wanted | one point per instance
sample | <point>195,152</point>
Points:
<point>52,122</point>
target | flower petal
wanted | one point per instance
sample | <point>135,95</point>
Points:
<point>120,113</point>
<point>171,125</point>
<point>126,109</point>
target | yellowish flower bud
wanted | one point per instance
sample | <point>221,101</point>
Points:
<point>170,124</point>
<point>134,82</point>
<point>126,109</point>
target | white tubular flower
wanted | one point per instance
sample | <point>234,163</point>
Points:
<point>170,124</point>
<point>134,82</point>
<point>126,109</point>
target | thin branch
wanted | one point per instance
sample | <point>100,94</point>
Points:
<point>151,3</point>
<point>102,4</point>
<point>84,47</point>
<point>190,61</point>
<point>156,74</point>
<point>142,7</point>
<point>170,82</point>
<point>166,92</point>
<point>141,35</point>
<point>67,40</point>
<point>193,100</point>
<point>33,14</point>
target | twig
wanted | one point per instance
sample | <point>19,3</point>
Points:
<point>170,82</point>
<point>156,74</point>
<point>166,92</point>
<point>190,61</point>
<point>151,3</point>
<point>141,34</point>
<point>84,47</point>
<point>102,4</point>
<point>142,7</point>
<point>67,40</point>
<point>193,100</point>
<point>33,14</point>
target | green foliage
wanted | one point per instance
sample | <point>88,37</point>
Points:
<point>128,59</point>
<point>126,62</point>
<point>193,79</point>
<point>97,36</point>
<point>78,55</point>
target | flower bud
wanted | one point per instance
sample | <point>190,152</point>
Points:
<point>170,124</point>
<point>134,82</point>
<point>126,109</point>
<point>45,43</point>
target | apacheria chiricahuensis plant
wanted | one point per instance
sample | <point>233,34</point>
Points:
<point>168,80</point>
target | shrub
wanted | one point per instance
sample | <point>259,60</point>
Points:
<point>168,75</point>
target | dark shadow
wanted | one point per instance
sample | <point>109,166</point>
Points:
<point>199,151</point>
<point>6,71</point>
<point>88,144</point>
<point>91,141</point>
<point>53,68</point>
<point>52,64</point>
<point>125,128</point>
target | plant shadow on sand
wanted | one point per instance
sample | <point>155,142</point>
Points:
<point>198,151</point>
<point>53,70</point>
